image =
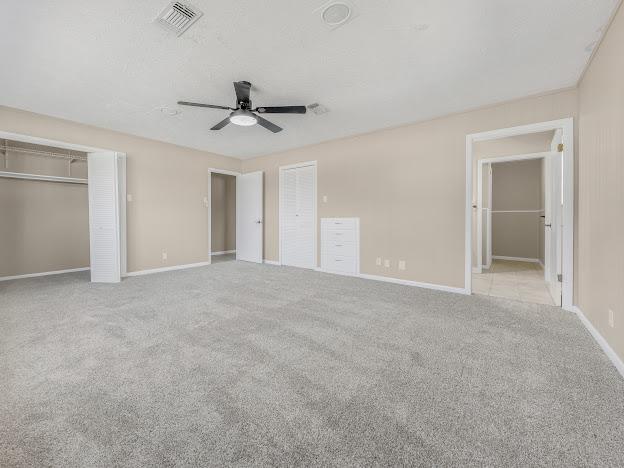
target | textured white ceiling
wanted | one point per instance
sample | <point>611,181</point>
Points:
<point>107,64</point>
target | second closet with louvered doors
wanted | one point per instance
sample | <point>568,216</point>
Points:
<point>297,185</point>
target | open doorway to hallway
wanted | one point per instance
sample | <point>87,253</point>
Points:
<point>521,215</point>
<point>513,232</point>
<point>222,217</point>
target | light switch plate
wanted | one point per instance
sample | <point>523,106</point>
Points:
<point>611,319</point>
<point>129,197</point>
<point>324,198</point>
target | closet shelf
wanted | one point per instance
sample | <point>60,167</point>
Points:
<point>47,178</point>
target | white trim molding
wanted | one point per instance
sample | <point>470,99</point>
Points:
<point>567,129</point>
<point>272,262</point>
<point>516,259</point>
<point>608,350</point>
<point>170,268</point>
<point>44,273</point>
<point>223,252</point>
<point>388,279</point>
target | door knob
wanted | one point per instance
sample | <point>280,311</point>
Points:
<point>547,225</point>
<point>259,222</point>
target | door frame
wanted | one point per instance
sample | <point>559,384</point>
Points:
<point>567,129</point>
<point>120,186</point>
<point>480,164</point>
<point>208,203</point>
<point>281,204</point>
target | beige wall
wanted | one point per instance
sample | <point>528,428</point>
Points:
<point>223,202</point>
<point>600,268</point>
<point>168,184</point>
<point>406,184</point>
<point>44,226</point>
<point>516,186</point>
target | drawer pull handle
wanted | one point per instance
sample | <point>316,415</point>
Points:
<point>338,245</point>
<point>337,260</point>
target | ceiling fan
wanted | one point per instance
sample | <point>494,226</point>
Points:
<point>244,114</point>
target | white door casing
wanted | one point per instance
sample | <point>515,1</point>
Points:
<point>249,217</point>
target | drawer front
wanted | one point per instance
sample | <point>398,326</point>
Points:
<point>338,236</point>
<point>339,223</point>
<point>340,264</point>
<point>340,249</point>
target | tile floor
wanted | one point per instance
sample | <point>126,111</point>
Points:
<point>521,281</point>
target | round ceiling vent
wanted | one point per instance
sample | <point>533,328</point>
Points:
<point>336,13</point>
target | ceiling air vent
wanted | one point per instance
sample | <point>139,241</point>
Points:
<point>178,17</point>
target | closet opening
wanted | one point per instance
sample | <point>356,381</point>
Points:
<point>61,209</point>
<point>222,217</point>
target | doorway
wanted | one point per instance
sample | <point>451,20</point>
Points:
<point>551,219</point>
<point>236,208</point>
<point>223,218</point>
<point>514,229</point>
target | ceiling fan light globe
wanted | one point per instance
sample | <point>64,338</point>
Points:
<point>244,119</point>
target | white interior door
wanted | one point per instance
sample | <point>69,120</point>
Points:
<point>249,219</point>
<point>553,226</point>
<point>298,216</point>
<point>106,177</point>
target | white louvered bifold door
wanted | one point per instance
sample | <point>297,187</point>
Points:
<point>104,217</point>
<point>299,217</point>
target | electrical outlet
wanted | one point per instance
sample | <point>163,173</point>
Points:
<point>129,197</point>
<point>387,263</point>
<point>164,255</point>
<point>611,319</point>
<point>324,198</point>
<point>206,202</point>
<point>378,261</point>
<point>401,264</point>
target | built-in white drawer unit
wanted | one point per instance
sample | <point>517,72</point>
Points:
<point>340,245</point>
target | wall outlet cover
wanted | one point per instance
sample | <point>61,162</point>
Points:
<point>378,261</point>
<point>387,263</point>
<point>401,264</point>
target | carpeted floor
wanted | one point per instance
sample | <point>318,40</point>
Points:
<point>244,364</point>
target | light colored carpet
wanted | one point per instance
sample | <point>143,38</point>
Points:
<point>243,364</point>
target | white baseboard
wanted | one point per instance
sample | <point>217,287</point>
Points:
<point>387,279</point>
<point>272,262</point>
<point>515,259</point>
<point>608,350</point>
<point>170,268</point>
<point>224,252</point>
<point>45,273</point>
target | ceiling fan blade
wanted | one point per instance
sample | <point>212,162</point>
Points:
<point>242,89</point>
<point>221,124</point>
<point>196,104</point>
<point>268,125</point>
<point>282,110</point>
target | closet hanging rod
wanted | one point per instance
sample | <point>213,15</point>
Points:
<point>44,153</point>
